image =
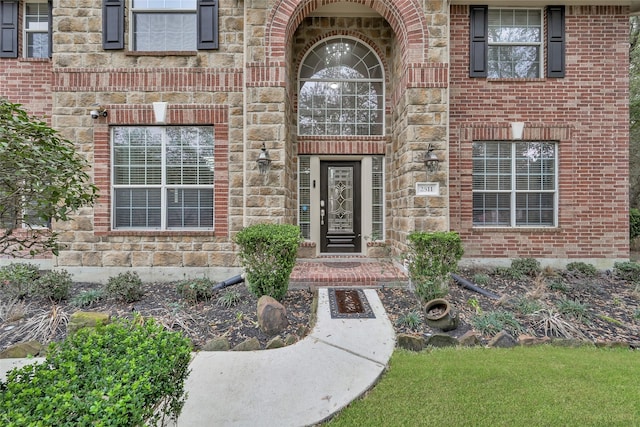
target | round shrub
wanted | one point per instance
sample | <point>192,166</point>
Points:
<point>268,254</point>
<point>17,279</point>
<point>54,285</point>
<point>125,287</point>
<point>195,290</point>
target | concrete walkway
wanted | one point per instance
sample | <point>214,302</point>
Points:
<point>299,385</point>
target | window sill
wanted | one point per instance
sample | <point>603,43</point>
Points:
<point>35,59</point>
<point>162,53</point>
<point>515,79</point>
<point>502,229</point>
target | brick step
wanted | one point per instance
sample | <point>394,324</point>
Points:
<point>356,272</point>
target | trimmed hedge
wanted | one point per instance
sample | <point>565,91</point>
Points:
<point>268,254</point>
<point>128,373</point>
<point>432,257</point>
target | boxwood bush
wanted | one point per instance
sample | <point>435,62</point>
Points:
<point>268,254</point>
<point>432,257</point>
<point>128,373</point>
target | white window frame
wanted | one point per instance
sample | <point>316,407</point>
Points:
<point>540,44</point>
<point>514,192</point>
<point>380,81</point>
<point>42,27</point>
<point>161,11</point>
<point>164,187</point>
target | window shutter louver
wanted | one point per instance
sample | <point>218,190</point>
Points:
<point>113,24</point>
<point>478,41</point>
<point>8,29</point>
<point>50,34</point>
<point>207,24</point>
<point>555,41</point>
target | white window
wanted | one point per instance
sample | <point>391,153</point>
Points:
<point>164,25</point>
<point>36,30</point>
<point>515,184</point>
<point>341,90</point>
<point>515,43</point>
<point>163,177</point>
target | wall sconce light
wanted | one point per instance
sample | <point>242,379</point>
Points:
<point>517,128</point>
<point>99,111</point>
<point>431,161</point>
<point>264,161</point>
<point>160,111</point>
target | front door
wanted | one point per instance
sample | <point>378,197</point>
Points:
<point>340,207</point>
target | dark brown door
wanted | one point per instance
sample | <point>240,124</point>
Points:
<point>340,207</point>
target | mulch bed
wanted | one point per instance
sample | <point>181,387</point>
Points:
<point>612,310</point>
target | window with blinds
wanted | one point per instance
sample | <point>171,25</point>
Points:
<point>515,184</point>
<point>163,177</point>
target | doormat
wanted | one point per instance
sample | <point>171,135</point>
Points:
<point>349,304</point>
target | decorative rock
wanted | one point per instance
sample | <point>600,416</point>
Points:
<point>469,339</point>
<point>217,344</point>
<point>442,340</point>
<point>529,340</point>
<point>272,316</point>
<point>411,342</point>
<point>275,342</point>
<point>503,340</point>
<point>20,350</point>
<point>87,319</point>
<point>290,339</point>
<point>249,345</point>
<point>611,344</point>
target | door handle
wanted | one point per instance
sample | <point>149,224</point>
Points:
<point>321,212</point>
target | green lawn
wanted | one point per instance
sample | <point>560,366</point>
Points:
<point>523,386</point>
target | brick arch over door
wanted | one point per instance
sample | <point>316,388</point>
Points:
<point>406,20</point>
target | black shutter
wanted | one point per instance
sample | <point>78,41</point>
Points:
<point>50,27</point>
<point>478,35</point>
<point>8,29</point>
<point>113,24</point>
<point>555,41</point>
<point>207,24</point>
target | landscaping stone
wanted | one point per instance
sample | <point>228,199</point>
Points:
<point>275,342</point>
<point>272,316</point>
<point>503,340</point>
<point>290,339</point>
<point>24,349</point>
<point>217,344</point>
<point>469,339</point>
<point>529,340</point>
<point>87,319</point>
<point>442,340</point>
<point>411,342</point>
<point>249,345</point>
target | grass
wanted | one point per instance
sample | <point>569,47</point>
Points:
<point>523,386</point>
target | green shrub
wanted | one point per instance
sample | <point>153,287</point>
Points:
<point>573,308</point>
<point>481,279</point>
<point>195,290</point>
<point>17,279</point>
<point>634,223</point>
<point>432,257</point>
<point>526,266</point>
<point>87,298</point>
<point>268,254</point>
<point>230,298</point>
<point>492,322</point>
<point>582,269</point>
<point>54,285</point>
<point>128,373</point>
<point>125,287</point>
<point>629,271</point>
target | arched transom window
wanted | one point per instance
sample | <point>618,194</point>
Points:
<point>341,90</point>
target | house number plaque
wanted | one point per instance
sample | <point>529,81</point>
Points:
<point>427,189</point>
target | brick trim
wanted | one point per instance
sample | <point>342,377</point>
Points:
<point>177,114</point>
<point>346,145</point>
<point>148,79</point>
<point>405,17</point>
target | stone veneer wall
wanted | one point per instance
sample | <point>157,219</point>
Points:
<point>204,87</point>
